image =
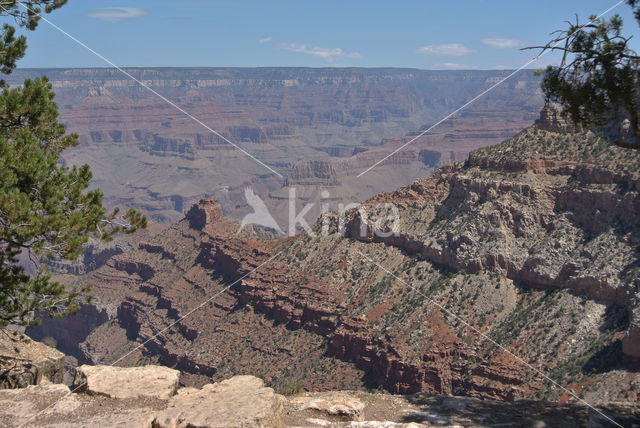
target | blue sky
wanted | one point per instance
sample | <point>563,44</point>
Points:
<point>438,34</point>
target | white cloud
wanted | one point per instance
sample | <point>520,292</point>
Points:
<point>449,49</point>
<point>265,40</point>
<point>501,43</point>
<point>328,54</point>
<point>117,14</point>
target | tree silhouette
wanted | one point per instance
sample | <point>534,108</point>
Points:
<point>45,208</point>
<point>597,78</point>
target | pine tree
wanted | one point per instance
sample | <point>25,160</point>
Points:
<point>598,77</point>
<point>46,210</point>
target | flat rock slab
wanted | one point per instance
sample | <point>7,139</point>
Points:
<point>127,382</point>
<point>20,406</point>
<point>141,418</point>
<point>54,406</point>
<point>242,401</point>
<point>332,403</point>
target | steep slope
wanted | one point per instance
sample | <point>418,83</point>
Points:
<point>531,243</point>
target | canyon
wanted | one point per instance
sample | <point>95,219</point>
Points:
<point>512,275</point>
<point>317,128</point>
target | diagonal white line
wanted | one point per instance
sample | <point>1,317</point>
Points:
<point>468,103</point>
<point>158,333</point>
<point>162,97</point>
<point>459,318</point>
<point>273,257</point>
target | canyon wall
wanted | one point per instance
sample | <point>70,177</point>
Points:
<point>303,123</point>
<point>520,261</point>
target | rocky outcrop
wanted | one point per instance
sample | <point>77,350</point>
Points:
<point>207,212</point>
<point>144,270</point>
<point>243,401</point>
<point>317,172</point>
<point>25,362</point>
<point>143,397</point>
<point>332,403</point>
<point>167,146</point>
<point>551,119</point>
<point>94,255</point>
<point>125,383</point>
<point>96,252</point>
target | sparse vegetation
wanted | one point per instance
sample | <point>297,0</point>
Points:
<point>293,387</point>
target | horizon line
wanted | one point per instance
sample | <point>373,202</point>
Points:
<point>268,67</point>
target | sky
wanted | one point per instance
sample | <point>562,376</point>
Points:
<point>427,34</point>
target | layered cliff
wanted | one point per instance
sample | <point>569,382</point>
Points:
<point>145,152</point>
<point>521,261</point>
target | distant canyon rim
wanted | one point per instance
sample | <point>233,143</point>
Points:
<point>318,128</point>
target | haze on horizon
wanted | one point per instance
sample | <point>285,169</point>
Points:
<point>469,34</point>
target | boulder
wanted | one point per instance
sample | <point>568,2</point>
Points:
<point>25,362</point>
<point>242,401</point>
<point>130,382</point>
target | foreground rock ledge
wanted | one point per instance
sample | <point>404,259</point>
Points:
<point>133,382</point>
<point>242,401</point>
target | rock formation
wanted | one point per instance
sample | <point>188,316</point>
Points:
<point>551,119</point>
<point>316,172</point>
<point>25,362</point>
<point>241,401</point>
<point>244,401</point>
<point>527,249</point>
<point>97,252</point>
<point>124,383</point>
<point>207,212</point>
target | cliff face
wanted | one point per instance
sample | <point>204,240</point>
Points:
<point>557,223</point>
<point>531,244</point>
<point>145,152</point>
<point>96,252</point>
<point>316,172</point>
